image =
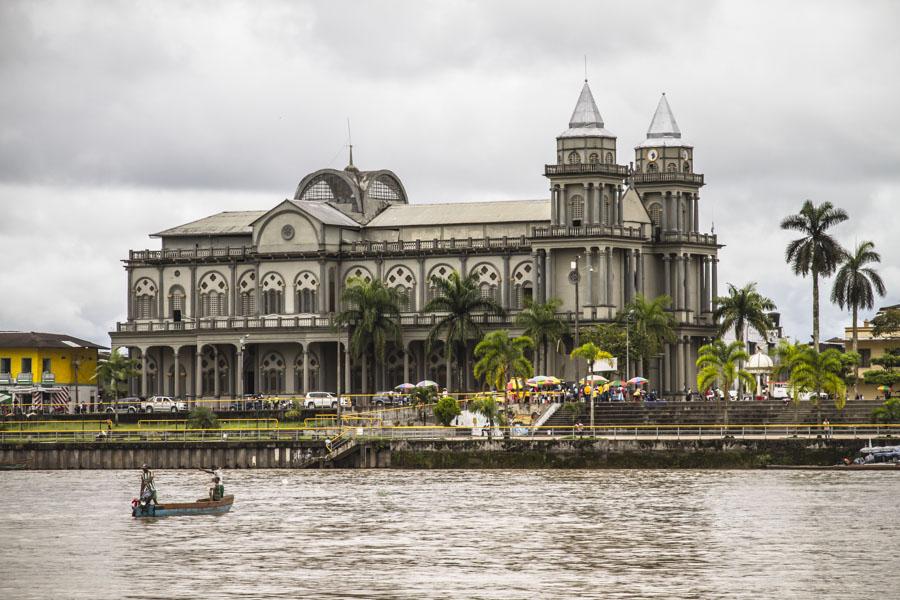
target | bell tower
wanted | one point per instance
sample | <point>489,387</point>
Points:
<point>585,182</point>
<point>664,176</point>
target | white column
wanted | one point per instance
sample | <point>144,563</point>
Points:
<point>696,212</point>
<point>176,368</point>
<point>607,294</point>
<point>688,288</point>
<point>306,369</point>
<point>667,277</point>
<point>589,263</point>
<point>144,372</point>
<point>620,201</point>
<point>715,282</point>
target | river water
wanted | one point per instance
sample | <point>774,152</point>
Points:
<point>456,534</point>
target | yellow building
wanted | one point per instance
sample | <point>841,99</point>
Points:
<point>47,368</point>
<point>870,347</point>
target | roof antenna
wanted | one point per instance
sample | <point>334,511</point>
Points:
<point>585,68</point>
<point>349,142</point>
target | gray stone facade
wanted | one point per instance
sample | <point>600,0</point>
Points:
<point>242,302</point>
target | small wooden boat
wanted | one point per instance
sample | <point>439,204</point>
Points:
<point>850,467</point>
<point>203,506</point>
<point>13,466</point>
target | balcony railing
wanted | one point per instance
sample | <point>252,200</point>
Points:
<point>690,178</point>
<point>403,247</point>
<point>586,169</point>
<point>561,231</point>
<point>706,239</point>
<point>302,322</point>
<point>192,253</point>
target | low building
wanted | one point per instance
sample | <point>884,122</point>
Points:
<point>871,347</point>
<point>47,371</point>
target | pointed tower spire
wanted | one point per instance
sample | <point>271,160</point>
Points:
<point>663,124</point>
<point>586,113</point>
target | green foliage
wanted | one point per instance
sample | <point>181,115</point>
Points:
<point>889,360</point>
<point>573,409</point>
<point>741,309</point>
<point>886,322</point>
<point>881,377</point>
<point>114,372</point>
<point>295,412</point>
<point>718,363</point>
<point>816,252</point>
<point>373,314</point>
<point>541,322</point>
<point>819,372</point>
<point>446,410</point>
<point>650,326</point>
<point>202,417</point>
<point>853,286</point>
<point>609,336</point>
<point>889,412</point>
<point>589,352</point>
<point>487,407</point>
<point>458,300</point>
<point>501,357</point>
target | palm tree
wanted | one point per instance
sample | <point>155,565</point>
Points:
<point>543,325</point>
<point>819,372</point>
<point>501,357</point>
<point>816,252</point>
<point>742,309</point>
<point>789,355</point>
<point>113,372</point>
<point>854,282</point>
<point>458,299</point>
<point>486,406</point>
<point>651,322</point>
<point>372,312</point>
<point>719,364</point>
<point>590,352</point>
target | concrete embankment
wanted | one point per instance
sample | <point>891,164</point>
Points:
<point>438,454</point>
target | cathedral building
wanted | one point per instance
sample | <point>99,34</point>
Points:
<point>243,302</point>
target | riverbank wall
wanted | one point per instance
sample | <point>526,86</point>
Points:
<point>437,454</point>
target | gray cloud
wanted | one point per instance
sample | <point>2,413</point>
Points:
<point>119,119</point>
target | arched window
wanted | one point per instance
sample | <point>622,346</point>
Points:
<point>361,273</point>
<point>522,284</point>
<point>574,158</point>
<point>145,299</point>
<point>672,167</point>
<point>272,294</point>
<point>247,288</point>
<point>176,300</point>
<point>272,370</point>
<point>438,271</point>
<point>213,292</point>
<point>576,210</point>
<point>208,360</point>
<point>609,158</point>
<point>401,279</point>
<point>651,167</point>
<point>306,288</point>
<point>488,280</point>
<point>594,158</point>
<point>656,214</point>
<point>687,167</point>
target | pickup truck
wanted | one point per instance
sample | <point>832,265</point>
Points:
<point>161,404</point>
<point>323,400</point>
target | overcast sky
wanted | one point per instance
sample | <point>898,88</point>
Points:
<point>121,119</point>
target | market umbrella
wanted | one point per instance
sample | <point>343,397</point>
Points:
<point>427,383</point>
<point>514,384</point>
<point>637,381</point>
<point>883,388</point>
<point>542,380</point>
<point>617,383</point>
<point>405,386</point>
<point>594,378</point>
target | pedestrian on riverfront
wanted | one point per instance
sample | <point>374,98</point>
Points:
<point>826,428</point>
<point>148,486</point>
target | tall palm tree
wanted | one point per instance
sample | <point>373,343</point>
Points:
<point>542,324</point>
<point>815,253</point>
<point>853,286</point>
<point>457,301</point>
<point>590,352</point>
<point>719,364</point>
<point>501,357</point>
<point>652,322</point>
<point>372,312</point>
<point>114,372</point>
<point>742,309</point>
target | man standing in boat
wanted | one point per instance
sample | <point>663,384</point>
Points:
<point>148,486</point>
<point>218,478</point>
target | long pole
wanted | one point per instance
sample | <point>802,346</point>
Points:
<point>627,347</point>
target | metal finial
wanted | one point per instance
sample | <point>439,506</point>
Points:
<point>350,141</point>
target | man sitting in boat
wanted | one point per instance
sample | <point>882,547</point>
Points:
<point>216,490</point>
<point>148,487</point>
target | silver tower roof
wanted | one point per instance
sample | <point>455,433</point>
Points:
<point>664,129</point>
<point>586,120</point>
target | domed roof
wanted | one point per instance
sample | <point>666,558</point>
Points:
<point>759,362</point>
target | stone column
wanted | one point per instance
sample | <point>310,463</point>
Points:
<point>322,296</point>
<point>176,369</point>
<point>306,369</point>
<point>588,204</point>
<point>707,292</point>
<point>608,294</point>
<point>689,213</point>
<point>423,285</point>
<point>339,360</point>
<point>130,294</point>
<point>620,202</point>
<point>405,363</point>
<point>601,273</point>
<point>256,283</point>
<point>679,220</point>
<point>235,300</point>
<point>216,390</point>
<point>589,265</point>
<point>628,263</point>
<point>144,372</point>
<point>669,212</point>
<point>640,271</point>
<point>347,366</point>
<point>667,368</point>
<point>198,372</point>
<point>667,277</point>
<point>715,282</point>
<point>379,269</point>
<point>688,288</point>
<point>505,296</point>
<point>554,206</point>
<point>194,293</point>
<point>687,363</point>
<point>613,208</point>
<point>537,276</point>
<point>679,366</point>
<point>696,212</point>
<point>161,300</point>
<point>463,261</point>
<point>240,373</point>
<point>548,272</point>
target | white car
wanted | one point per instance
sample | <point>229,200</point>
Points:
<point>162,404</point>
<point>323,400</point>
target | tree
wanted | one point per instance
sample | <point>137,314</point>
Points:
<point>609,336</point>
<point>590,352</point>
<point>501,357</point>
<point>458,299</point>
<point>819,372</point>
<point>816,253</point>
<point>742,309</point>
<point>487,407</point>
<point>446,409</point>
<point>889,412</point>
<point>114,372</point>
<point>542,324</point>
<point>202,417</point>
<point>719,366</point>
<point>853,286</point>
<point>421,397</point>
<point>653,325</point>
<point>372,312</point>
<point>886,322</point>
<point>886,375</point>
<point>789,355</point>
